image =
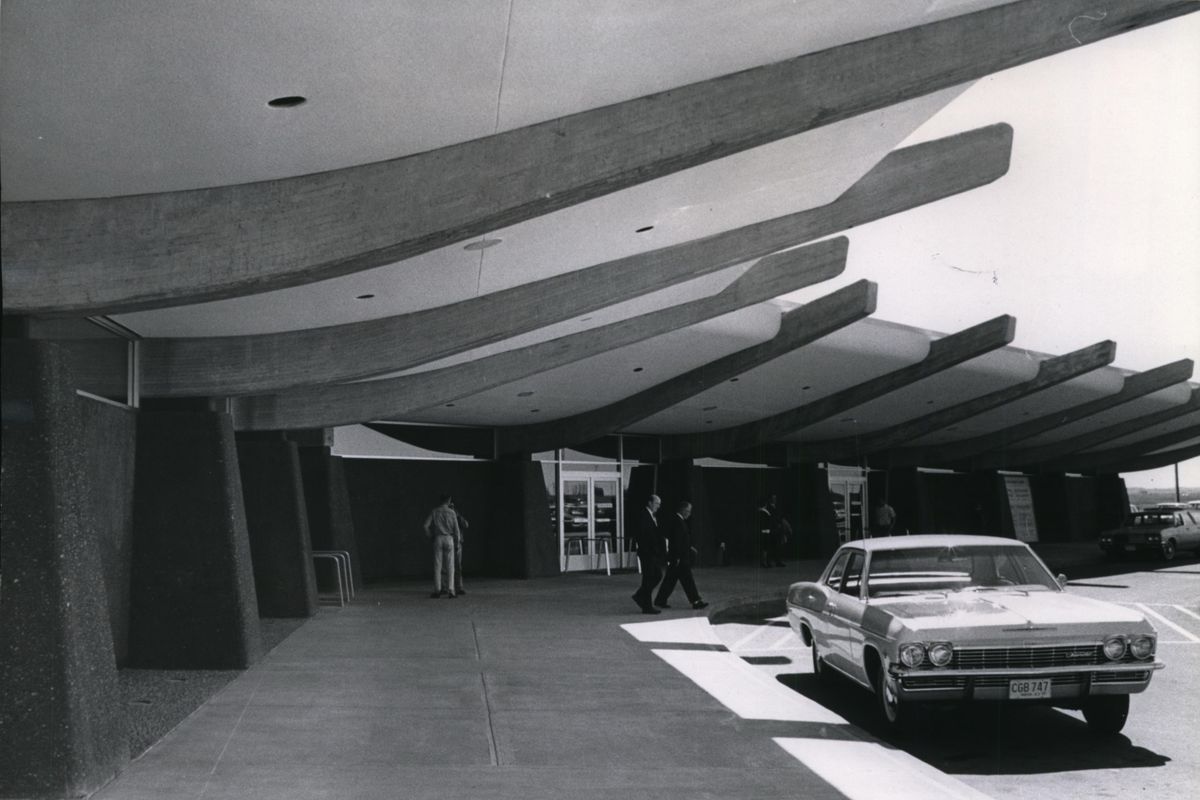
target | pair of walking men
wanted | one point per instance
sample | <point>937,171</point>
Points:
<point>664,545</point>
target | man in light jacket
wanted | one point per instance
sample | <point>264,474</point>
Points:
<point>441,527</point>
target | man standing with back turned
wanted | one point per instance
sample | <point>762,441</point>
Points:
<point>441,527</point>
<point>652,553</point>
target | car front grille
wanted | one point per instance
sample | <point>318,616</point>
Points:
<point>1027,657</point>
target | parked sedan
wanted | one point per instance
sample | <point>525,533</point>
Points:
<point>1162,530</point>
<point>920,619</point>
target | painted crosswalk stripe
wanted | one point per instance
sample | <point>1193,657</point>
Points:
<point>864,770</point>
<point>1181,630</point>
<point>744,690</point>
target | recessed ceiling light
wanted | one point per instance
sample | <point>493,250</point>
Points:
<point>708,422</point>
<point>952,428</point>
<point>482,244</point>
<point>646,228</point>
<point>928,402</point>
<point>585,319</point>
<point>291,101</point>
<point>449,405</point>
<point>733,380</point>
<point>805,388</point>
<point>534,410</point>
<point>364,297</point>
<point>848,419</point>
<point>638,369</point>
<point>710,408</point>
<point>524,394</point>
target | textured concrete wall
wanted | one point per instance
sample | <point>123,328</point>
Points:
<point>277,523</point>
<point>61,711</point>
<point>192,603</point>
<point>109,441</point>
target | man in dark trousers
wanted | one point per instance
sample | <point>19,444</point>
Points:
<point>679,556</point>
<point>652,553</point>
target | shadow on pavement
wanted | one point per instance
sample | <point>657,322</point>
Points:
<point>984,738</point>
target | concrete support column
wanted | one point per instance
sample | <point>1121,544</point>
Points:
<point>817,524</point>
<point>277,523</point>
<point>989,504</point>
<point>522,507</point>
<point>330,523</point>
<point>1050,507</point>
<point>906,493</point>
<point>1112,501</point>
<point>61,710</point>
<point>192,601</point>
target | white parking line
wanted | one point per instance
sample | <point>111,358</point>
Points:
<point>1187,611</point>
<point>866,770</point>
<point>1184,631</point>
<point>682,630</point>
<point>745,690</point>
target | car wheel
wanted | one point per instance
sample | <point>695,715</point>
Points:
<point>1168,550</point>
<point>1106,714</point>
<point>819,668</point>
<point>896,714</point>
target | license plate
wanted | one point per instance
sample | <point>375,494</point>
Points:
<point>1029,689</point>
<point>1130,548</point>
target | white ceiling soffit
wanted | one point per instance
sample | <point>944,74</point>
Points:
<point>136,96</point>
<point>607,378</point>
<point>844,358</point>
<point>781,178</point>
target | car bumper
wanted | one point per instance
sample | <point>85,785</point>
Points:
<point>1065,682</point>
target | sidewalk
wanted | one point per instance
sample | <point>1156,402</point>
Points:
<point>519,689</point>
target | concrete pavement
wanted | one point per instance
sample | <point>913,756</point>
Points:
<point>518,689</point>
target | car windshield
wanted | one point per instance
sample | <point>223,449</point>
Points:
<point>956,568</point>
<point>1158,518</point>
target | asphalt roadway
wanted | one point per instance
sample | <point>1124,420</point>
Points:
<point>560,688</point>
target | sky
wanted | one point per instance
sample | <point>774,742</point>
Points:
<point>1093,234</point>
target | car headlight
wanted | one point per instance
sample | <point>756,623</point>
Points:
<point>1142,647</point>
<point>912,654</point>
<point>940,653</point>
<point>1114,648</point>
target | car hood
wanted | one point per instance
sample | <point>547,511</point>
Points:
<point>1003,610</point>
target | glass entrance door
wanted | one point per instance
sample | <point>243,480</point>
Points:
<point>849,506</point>
<point>589,529</point>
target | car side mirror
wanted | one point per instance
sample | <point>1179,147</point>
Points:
<point>1062,580</point>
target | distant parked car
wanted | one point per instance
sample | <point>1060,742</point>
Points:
<point>1164,530</point>
<point>957,619</point>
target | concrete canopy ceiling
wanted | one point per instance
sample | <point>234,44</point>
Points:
<point>140,97</point>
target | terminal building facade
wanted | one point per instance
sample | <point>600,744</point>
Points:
<point>550,306</point>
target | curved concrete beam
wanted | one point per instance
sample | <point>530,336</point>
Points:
<point>1122,459</point>
<point>943,354</point>
<point>342,404</point>
<point>1051,372</point>
<point>797,328</point>
<point>1056,455</point>
<point>990,451</point>
<point>1154,461</point>
<point>102,256</point>
<point>234,365</point>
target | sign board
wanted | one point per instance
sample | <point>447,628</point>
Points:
<point>1020,507</point>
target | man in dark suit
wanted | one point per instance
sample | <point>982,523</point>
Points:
<point>679,556</point>
<point>652,553</point>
